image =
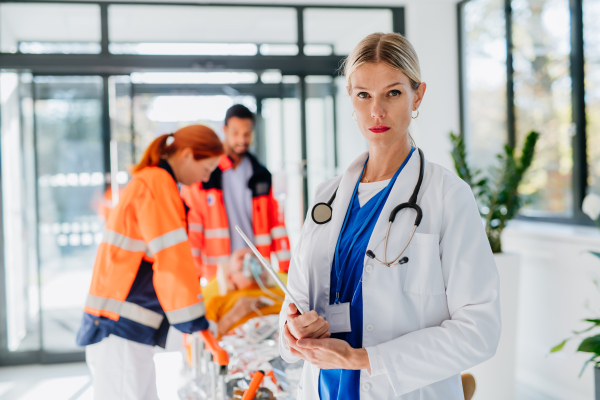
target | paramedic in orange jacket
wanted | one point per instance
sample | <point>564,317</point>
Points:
<point>144,278</point>
<point>237,193</point>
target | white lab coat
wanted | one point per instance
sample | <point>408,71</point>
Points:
<point>425,321</point>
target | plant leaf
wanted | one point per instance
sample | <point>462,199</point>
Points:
<point>596,323</point>
<point>559,346</point>
<point>587,362</point>
<point>590,345</point>
<point>595,253</point>
<point>585,330</point>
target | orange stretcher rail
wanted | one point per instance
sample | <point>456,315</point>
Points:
<point>220,355</point>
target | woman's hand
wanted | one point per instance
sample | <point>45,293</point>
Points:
<point>307,325</point>
<point>328,353</point>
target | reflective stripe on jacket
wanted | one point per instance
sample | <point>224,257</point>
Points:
<point>209,227</point>
<point>144,278</point>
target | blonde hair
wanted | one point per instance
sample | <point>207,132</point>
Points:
<point>390,48</point>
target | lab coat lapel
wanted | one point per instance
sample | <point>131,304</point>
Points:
<point>400,193</point>
<point>342,201</point>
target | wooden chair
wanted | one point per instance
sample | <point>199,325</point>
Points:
<point>468,384</point>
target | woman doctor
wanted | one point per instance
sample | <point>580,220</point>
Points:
<point>384,326</point>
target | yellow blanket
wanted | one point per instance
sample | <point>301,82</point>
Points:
<point>217,306</point>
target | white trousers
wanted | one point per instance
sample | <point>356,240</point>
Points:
<point>122,369</point>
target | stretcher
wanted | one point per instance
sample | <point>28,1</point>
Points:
<point>245,364</point>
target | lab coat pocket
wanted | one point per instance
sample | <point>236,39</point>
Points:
<point>424,267</point>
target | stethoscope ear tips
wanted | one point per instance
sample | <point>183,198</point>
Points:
<point>371,255</point>
<point>403,260</point>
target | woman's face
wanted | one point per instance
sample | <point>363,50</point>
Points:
<point>192,170</point>
<point>384,101</point>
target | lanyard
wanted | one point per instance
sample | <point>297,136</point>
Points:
<point>339,269</point>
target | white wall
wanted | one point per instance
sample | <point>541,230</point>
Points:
<point>556,282</point>
<point>431,28</point>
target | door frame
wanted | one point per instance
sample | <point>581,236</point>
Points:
<point>107,65</point>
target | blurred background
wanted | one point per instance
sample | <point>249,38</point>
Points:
<point>86,85</point>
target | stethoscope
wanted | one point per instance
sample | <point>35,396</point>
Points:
<point>322,212</point>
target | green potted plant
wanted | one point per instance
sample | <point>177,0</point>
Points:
<point>589,344</point>
<point>496,191</point>
<point>498,198</point>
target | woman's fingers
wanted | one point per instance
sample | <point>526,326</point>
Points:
<point>304,325</point>
<point>300,319</point>
<point>292,310</point>
<point>309,343</point>
<point>315,329</point>
<point>288,336</point>
<point>298,354</point>
<point>326,335</point>
<point>320,332</point>
<point>294,349</point>
<point>324,345</point>
<point>307,318</point>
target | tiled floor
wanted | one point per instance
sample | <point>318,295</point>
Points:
<point>58,381</point>
<point>73,381</point>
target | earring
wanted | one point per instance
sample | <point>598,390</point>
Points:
<point>354,115</point>
<point>416,116</point>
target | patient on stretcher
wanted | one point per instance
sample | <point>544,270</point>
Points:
<point>241,290</point>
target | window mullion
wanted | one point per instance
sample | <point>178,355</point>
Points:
<point>510,88</point>
<point>580,168</point>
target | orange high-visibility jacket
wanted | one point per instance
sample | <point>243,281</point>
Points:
<point>144,277</point>
<point>209,227</point>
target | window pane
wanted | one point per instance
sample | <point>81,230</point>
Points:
<point>49,28</point>
<point>121,126</point>
<point>485,80</point>
<point>343,28</point>
<point>68,116</point>
<point>350,140</point>
<point>153,25</point>
<point>18,213</point>
<point>155,114</point>
<point>319,132</point>
<point>543,101</point>
<point>591,36</point>
<point>284,159</point>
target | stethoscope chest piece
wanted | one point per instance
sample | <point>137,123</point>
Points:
<point>321,213</point>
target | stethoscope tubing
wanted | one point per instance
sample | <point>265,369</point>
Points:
<point>395,261</point>
<point>412,203</point>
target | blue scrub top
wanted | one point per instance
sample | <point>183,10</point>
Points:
<point>344,384</point>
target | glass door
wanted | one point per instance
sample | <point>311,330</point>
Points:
<point>20,327</point>
<point>71,180</point>
<point>55,160</point>
<point>66,138</point>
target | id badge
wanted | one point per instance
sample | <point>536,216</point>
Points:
<point>338,316</point>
